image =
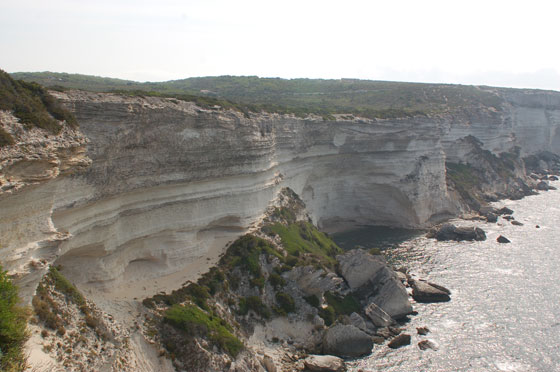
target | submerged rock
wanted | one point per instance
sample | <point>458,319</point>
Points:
<point>503,239</point>
<point>422,330</point>
<point>428,292</point>
<point>504,210</point>
<point>516,223</point>
<point>452,232</point>
<point>427,344</point>
<point>346,341</point>
<point>400,341</point>
<point>324,363</point>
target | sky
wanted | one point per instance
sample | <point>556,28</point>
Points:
<point>492,42</point>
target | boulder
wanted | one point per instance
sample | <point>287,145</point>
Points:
<point>516,223</point>
<point>358,267</point>
<point>378,316</point>
<point>504,210</point>
<point>552,178</point>
<point>324,363</point>
<point>542,186</point>
<point>357,321</point>
<point>371,278</point>
<point>428,292</point>
<point>427,344</point>
<point>399,341</point>
<point>503,239</point>
<point>509,218</point>
<point>268,364</point>
<point>491,217</point>
<point>451,232</point>
<point>422,330</point>
<point>346,341</point>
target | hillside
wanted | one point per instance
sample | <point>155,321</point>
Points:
<point>371,99</point>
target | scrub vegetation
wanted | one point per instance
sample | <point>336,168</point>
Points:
<point>32,105</point>
<point>13,326</point>
<point>366,98</point>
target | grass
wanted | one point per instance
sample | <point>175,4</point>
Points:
<point>13,326</point>
<point>32,105</point>
<point>303,238</point>
<point>194,321</point>
<point>373,99</point>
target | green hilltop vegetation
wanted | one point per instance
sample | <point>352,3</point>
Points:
<point>372,99</point>
<point>32,105</point>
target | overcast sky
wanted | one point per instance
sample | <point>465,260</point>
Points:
<point>492,42</point>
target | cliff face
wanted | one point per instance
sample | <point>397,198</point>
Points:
<point>170,181</point>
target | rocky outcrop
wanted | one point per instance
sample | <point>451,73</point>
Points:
<point>428,292</point>
<point>374,280</point>
<point>502,239</point>
<point>171,183</point>
<point>324,363</point>
<point>399,341</point>
<point>346,341</point>
<point>451,232</point>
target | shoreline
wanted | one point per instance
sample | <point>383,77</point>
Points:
<point>433,260</point>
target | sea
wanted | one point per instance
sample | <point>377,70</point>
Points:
<point>504,313</point>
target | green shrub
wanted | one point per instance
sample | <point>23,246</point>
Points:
<point>276,280</point>
<point>258,282</point>
<point>375,251</point>
<point>302,237</point>
<point>13,326</point>
<point>328,315</point>
<point>286,302</point>
<point>253,303</point>
<point>313,300</point>
<point>195,322</point>
<point>343,306</point>
<point>65,286</point>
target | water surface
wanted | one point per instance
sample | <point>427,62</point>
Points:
<point>504,314</point>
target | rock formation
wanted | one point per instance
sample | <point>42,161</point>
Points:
<point>148,189</point>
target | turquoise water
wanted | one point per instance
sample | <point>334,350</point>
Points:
<point>504,315</point>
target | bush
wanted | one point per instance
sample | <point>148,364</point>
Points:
<point>195,322</point>
<point>343,306</point>
<point>313,300</point>
<point>253,303</point>
<point>63,285</point>
<point>286,302</point>
<point>328,315</point>
<point>13,326</point>
<point>276,280</point>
